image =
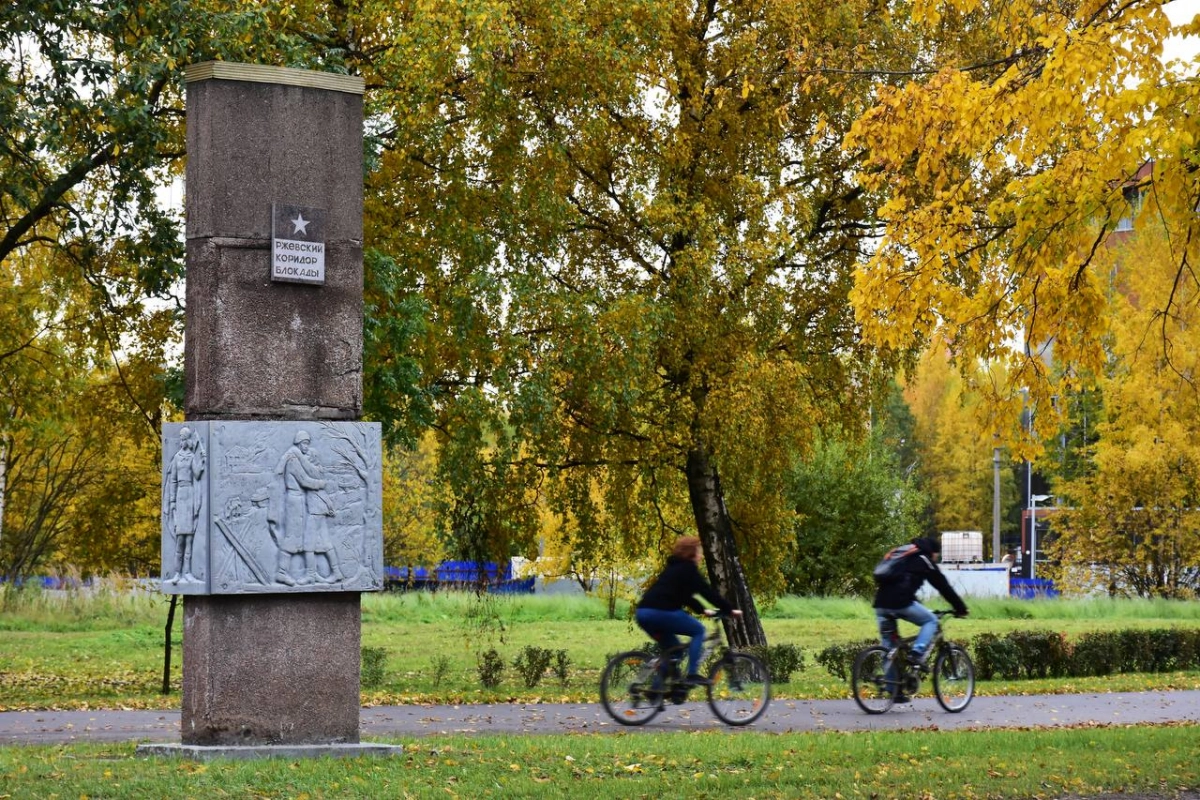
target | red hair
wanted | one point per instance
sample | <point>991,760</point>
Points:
<point>686,547</point>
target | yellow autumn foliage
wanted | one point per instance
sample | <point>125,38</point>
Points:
<point>1001,173</point>
<point>1133,522</point>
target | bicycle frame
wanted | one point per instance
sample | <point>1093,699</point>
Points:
<point>903,644</point>
<point>715,642</point>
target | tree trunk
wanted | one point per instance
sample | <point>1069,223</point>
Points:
<point>3,483</point>
<point>166,681</point>
<point>720,550</point>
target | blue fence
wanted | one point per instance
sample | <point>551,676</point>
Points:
<point>458,575</point>
<point>1030,588</point>
<point>50,582</point>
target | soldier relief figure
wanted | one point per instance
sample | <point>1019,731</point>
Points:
<point>183,501</point>
<point>302,533</point>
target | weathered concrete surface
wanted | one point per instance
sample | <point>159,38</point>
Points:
<point>290,751</point>
<point>271,669</point>
<point>257,348</point>
<point>784,716</point>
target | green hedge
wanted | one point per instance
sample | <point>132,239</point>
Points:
<point>1029,654</point>
<point>781,660</point>
<point>838,659</point>
<point>1042,654</point>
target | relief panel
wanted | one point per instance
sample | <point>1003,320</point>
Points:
<point>272,507</point>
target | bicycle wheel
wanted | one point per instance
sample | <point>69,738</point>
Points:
<point>873,692</point>
<point>953,678</point>
<point>631,688</point>
<point>740,690</point>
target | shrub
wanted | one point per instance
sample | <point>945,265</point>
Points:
<point>441,668</point>
<point>838,659</point>
<point>1160,650</point>
<point>1096,653</point>
<point>1128,650</point>
<point>562,667</point>
<point>531,664</point>
<point>374,663</point>
<point>996,657</point>
<point>1189,649</point>
<point>781,660</point>
<point>491,668</point>
<point>1042,654</point>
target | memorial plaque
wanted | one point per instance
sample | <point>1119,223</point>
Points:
<point>297,244</point>
<point>272,507</point>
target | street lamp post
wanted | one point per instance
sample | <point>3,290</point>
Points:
<point>1034,499</point>
<point>995,505</point>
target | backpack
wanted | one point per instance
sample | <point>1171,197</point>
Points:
<point>891,567</point>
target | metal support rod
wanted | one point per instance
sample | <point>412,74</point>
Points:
<point>995,505</point>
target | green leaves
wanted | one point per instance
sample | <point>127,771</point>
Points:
<point>853,502</point>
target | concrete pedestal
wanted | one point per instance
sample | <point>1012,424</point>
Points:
<point>252,752</point>
<point>271,669</point>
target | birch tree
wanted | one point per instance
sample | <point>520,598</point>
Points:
<point>628,231</point>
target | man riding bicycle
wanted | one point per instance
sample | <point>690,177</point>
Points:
<point>660,612</point>
<point>896,594</point>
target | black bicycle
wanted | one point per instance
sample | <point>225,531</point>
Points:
<point>636,685</point>
<point>882,675</point>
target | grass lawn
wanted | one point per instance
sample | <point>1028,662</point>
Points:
<point>105,648</point>
<point>1143,761</point>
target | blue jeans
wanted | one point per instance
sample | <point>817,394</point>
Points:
<point>666,626</point>
<point>917,614</point>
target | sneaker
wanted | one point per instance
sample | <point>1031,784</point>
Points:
<point>921,661</point>
<point>697,680</point>
<point>903,698</point>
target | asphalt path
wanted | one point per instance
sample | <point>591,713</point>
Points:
<point>783,716</point>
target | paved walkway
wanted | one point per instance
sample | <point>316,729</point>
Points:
<point>784,716</point>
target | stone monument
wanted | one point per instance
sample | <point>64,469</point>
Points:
<point>271,488</point>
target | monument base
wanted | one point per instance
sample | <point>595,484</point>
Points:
<point>246,753</point>
<point>271,669</point>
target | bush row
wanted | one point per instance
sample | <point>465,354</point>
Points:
<point>1048,654</point>
<point>531,664</point>
<point>1020,655</point>
<point>1017,655</point>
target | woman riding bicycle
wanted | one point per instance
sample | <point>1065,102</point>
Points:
<point>660,612</point>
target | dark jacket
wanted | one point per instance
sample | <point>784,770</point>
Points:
<point>917,568</point>
<point>678,585</point>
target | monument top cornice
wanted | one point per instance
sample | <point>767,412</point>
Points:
<point>261,73</point>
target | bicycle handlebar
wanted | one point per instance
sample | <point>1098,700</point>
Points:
<point>716,614</point>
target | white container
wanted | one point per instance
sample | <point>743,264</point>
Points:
<point>962,547</point>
